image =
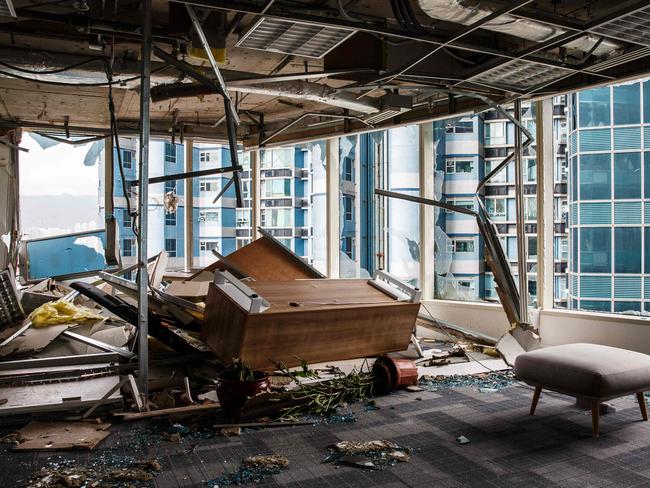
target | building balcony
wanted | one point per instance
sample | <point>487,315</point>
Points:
<point>274,173</point>
<point>276,202</point>
<point>279,232</point>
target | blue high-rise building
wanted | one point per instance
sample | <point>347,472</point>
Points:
<point>609,198</point>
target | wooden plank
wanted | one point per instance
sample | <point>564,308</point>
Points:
<point>54,436</point>
<point>167,411</point>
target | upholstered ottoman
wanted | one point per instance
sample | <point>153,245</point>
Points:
<point>587,371</point>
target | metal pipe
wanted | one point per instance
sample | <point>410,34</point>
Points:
<point>521,226</point>
<point>286,127</point>
<point>143,197</point>
<point>213,62</point>
<point>191,174</point>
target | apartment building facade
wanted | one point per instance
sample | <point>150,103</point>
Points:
<point>466,150</point>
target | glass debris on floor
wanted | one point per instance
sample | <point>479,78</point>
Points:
<point>485,382</point>
<point>252,470</point>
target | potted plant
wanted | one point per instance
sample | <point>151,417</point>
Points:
<point>237,383</point>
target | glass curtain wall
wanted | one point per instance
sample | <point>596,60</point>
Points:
<point>608,209</point>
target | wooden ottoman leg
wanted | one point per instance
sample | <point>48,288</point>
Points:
<point>533,406</point>
<point>642,405</point>
<point>595,416</point>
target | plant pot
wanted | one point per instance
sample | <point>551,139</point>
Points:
<point>233,394</point>
<point>403,372</point>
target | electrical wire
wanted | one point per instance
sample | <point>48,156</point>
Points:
<point>62,83</point>
<point>50,72</point>
<point>116,140</point>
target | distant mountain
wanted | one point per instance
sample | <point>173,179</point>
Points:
<point>59,213</point>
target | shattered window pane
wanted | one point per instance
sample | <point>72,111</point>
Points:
<point>462,160</point>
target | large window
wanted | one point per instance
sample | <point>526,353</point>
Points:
<point>595,250</point>
<point>627,243</point>
<point>594,108</point>
<point>627,104</point>
<point>595,176</point>
<point>277,187</point>
<point>627,175</point>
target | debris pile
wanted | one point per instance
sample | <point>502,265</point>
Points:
<point>252,470</point>
<point>376,454</point>
<point>58,474</point>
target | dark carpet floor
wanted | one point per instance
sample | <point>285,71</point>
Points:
<point>507,447</point>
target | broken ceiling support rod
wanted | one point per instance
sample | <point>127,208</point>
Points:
<point>230,119</point>
<point>213,62</point>
<point>312,114</point>
<point>190,174</point>
<point>499,265</point>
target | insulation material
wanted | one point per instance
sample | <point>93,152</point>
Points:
<point>61,312</point>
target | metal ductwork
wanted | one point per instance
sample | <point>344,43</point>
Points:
<point>468,12</point>
<point>310,91</point>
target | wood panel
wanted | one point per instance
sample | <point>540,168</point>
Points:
<point>363,322</point>
<point>223,325</point>
<point>264,260</point>
<point>322,294</point>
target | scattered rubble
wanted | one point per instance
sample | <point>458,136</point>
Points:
<point>106,473</point>
<point>376,454</point>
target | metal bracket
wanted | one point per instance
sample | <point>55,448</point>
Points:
<point>241,294</point>
<point>394,287</point>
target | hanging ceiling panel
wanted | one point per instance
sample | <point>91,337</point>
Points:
<point>288,37</point>
<point>633,27</point>
<point>521,74</point>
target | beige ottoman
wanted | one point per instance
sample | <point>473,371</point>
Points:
<point>587,371</point>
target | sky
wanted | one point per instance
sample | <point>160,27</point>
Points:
<point>57,170</point>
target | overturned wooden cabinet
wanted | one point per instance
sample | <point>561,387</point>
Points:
<point>316,320</point>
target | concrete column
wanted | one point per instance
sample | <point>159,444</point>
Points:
<point>427,275</point>
<point>333,211</point>
<point>545,203</point>
<point>255,189</point>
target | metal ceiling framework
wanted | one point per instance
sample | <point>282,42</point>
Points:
<point>515,74</point>
<point>508,73</point>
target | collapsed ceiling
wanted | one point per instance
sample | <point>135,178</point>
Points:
<point>299,69</point>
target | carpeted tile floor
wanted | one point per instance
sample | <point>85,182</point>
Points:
<point>507,447</point>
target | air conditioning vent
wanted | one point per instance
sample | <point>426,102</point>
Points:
<point>289,37</point>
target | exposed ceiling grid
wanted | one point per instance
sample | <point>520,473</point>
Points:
<point>294,38</point>
<point>634,27</point>
<point>521,73</point>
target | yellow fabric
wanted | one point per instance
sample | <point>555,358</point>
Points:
<point>60,312</point>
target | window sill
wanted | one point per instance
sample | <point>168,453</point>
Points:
<point>601,316</point>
